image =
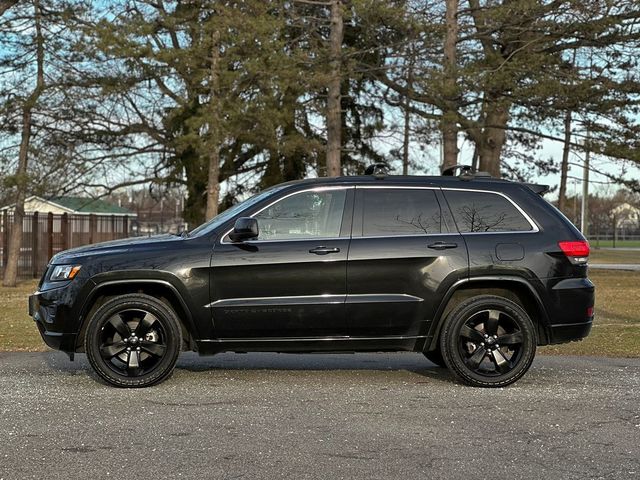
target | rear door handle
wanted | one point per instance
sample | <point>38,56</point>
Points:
<point>443,245</point>
<point>324,250</point>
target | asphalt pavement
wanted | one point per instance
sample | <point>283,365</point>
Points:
<point>271,416</point>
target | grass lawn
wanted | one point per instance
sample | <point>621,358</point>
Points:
<point>17,330</point>
<point>614,256</point>
<point>615,333</point>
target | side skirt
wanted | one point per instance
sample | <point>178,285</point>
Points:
<point>310,345</point>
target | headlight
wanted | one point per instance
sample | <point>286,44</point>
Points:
<point>64,272</point>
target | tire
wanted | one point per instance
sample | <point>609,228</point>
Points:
<point>435,356</point>
<point>471,336</point>
<point>133,341</point>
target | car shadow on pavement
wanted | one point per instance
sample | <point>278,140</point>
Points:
<point>59,363</point>
<point>381,362</point>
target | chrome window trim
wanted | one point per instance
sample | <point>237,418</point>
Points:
<point>314,189</point>
<point>534,226</point>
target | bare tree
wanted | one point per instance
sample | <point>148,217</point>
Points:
<point>213,183</point>
<point>15,240</point>
<point>449,124</point>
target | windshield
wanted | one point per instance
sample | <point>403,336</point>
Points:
<point>218,220</point>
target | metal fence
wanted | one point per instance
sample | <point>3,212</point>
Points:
<point>619,240</point>
<point>45,234</point>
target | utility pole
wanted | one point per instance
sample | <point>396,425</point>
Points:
<point>584,223</point>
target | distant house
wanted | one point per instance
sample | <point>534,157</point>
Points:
<point>627,217</point>
<point>71,205</point>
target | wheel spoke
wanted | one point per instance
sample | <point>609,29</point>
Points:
<point>133,361</point>
<point>121,327</point>
<point>153,348</point>
<point>145,324</point>
<point>502,364</point>
<point>491,325</point>
<point>471,333</point>
<point>110,351</point>
<point>514,338</point>
<point>477,357</point>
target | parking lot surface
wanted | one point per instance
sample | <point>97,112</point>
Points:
<point>373,416</point>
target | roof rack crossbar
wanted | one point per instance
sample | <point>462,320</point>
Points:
<point>467,172</point>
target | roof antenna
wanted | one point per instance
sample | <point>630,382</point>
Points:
<point>378,170</point>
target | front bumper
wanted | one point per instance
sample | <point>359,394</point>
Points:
<point>54,318</point>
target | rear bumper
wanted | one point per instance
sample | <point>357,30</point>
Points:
<point>570,332</point>
<point>570,309</point>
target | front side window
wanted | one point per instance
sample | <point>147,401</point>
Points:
<point>391,212</point>
<point>305,215</point>
<point>485,212</point>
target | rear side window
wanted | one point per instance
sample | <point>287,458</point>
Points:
<point>485,212</point>
<point>400,212</point>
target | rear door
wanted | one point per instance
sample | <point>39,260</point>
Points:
<point>404,255</point>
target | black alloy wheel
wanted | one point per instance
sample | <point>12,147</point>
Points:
<point>133,341</point>
<point>488,341</point>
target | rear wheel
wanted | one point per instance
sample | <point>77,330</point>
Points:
<point>133,341</point>
<point>488,341</point>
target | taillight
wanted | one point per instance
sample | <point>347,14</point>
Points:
<point>578,251</point>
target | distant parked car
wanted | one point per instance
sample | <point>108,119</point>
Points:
<point>472,271</point>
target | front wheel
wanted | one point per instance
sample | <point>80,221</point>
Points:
<point>488,341</point>
<point>133,341</point>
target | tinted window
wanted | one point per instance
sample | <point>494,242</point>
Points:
<point>303,215</point>
<point>400,212</point>
<point>485,212</point>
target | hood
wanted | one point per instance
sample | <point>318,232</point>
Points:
<point>113,246</point>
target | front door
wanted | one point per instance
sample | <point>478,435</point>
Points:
<point>291,280</point>
<point>404,256</point>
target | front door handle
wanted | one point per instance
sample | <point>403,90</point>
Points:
<point>324,250</point>
<point>443,245</point>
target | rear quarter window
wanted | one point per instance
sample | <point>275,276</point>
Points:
<point>485,212</point>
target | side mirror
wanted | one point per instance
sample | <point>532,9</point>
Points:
<point>245,228</point>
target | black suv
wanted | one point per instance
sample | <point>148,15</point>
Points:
<point>470,270</point>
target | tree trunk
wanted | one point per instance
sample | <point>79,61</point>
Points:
<point>493,137</point>
<point>6,5</point>
<point>334,112</point>
<point>213,181</point>
<point>564,168</point>
<point>449,124</point>
<point>15,240</point>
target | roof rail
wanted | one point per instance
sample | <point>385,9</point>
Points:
<point>467,172</point>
